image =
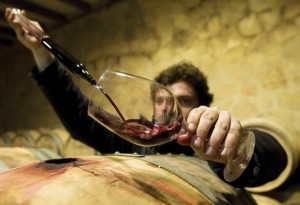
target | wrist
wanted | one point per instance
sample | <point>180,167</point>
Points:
<point>42,58</point>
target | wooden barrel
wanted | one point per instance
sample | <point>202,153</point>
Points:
<point>25,138</point>
<point>6,138</point>
<point>4,142</point>
<point>119,179</point>
<point>76,148</point>
<point>12,157</point>
<point>53,139</point>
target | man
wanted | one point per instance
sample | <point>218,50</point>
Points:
<point>213,134</point>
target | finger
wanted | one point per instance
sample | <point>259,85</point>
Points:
<point>23,12</point>
<point>7,12</point>
<point>37,25</point>
<point>205,124</point>
<point>194,118</point>
<point>232,139</point>
<point>9,15</point>
<point>219,132</point>
<point>184,138</point>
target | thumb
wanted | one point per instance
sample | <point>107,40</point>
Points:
<point>184,138</point>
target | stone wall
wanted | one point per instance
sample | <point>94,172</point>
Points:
<point>249,50</point>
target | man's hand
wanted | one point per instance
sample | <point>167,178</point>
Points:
<point>212,133</point>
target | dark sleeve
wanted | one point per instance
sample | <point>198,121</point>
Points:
<point>268,161</point>
<point>71,107</point>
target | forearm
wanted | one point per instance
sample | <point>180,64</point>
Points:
<point>70,105</point>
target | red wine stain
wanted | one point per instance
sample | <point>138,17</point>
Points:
<point>33,177</point>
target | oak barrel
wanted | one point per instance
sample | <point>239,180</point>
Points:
<point>119,179</point>
<point>53,139</point>
<point>74,147</point>
<point>12,157</point>
<point>25,138</point>
<point>6,138</point>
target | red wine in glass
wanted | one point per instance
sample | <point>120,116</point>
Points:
<point>138,131</point>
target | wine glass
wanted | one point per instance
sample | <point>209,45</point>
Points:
<point>137,109</point>
<point>146,113</point>
<point>235,166</point>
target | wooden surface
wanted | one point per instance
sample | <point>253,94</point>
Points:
<point>12,157</point>
<point>126,179</point>
<point>58,141</point>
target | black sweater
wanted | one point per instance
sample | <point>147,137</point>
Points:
<point>71,107</point>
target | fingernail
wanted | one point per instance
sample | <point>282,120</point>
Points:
<point>211,151</point>
<point>191,126</point>
<point>224,152</point>
<point>198,143</point>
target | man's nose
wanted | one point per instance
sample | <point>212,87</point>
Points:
<point>165,105</point>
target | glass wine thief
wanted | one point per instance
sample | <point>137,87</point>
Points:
<point>64,57</point>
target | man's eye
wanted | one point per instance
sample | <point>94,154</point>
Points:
<point>158,101</point>
<point>169,101</point>
<point>184,102</point>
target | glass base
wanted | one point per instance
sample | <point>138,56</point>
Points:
<point>236,166</point>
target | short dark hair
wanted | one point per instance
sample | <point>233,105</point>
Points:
<point>187,72</point>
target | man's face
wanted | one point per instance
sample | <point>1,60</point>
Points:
<point>185,95</point>
<point>163,105</point>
